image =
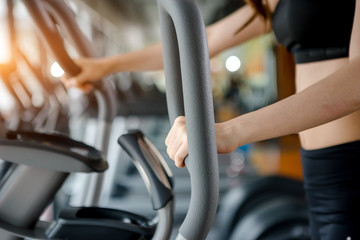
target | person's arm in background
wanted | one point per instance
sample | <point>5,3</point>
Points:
<point>221,35</point>
<point>331,98</point>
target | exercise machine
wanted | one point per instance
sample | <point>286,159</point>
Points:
<point>188,77</point>
<point>52,114</point>
<point>271,206</point>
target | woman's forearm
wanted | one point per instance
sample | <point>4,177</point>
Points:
<point>221,36</point>
<point>147,59</point>
<point>330,99</point>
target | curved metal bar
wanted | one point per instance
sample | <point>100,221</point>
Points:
<point>165,223</point>
<point>41,11</point>
<point>65,19</point>
<point>186,61</point>
<point>50,34</point>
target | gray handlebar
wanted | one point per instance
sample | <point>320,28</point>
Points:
<point>189,93</point>
<point>50,34</point>
<point>42,12</point>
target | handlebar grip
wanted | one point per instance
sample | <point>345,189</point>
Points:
<point>49,32</point>
<point>48,29</point>
<point>189,93</point>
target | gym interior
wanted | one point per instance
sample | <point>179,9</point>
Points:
<point>260,192</point>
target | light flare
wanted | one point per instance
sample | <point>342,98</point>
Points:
<point>56,70</point>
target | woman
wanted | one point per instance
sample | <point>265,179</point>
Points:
<point>324,36</point>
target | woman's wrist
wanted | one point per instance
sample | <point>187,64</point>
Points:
<point>239,130</point>
<point>108,65</point>
<point>227,136</point>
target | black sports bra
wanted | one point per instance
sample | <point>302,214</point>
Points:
<point>314,30</point>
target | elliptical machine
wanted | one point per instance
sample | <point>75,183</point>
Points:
<point>188,93</point>
<point>42,162</point>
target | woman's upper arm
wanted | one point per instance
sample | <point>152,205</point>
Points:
<point>355,35</point>
<point>222,34</point>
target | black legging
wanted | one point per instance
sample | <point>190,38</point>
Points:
<point>332,186</point>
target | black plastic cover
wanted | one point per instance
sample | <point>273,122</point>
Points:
<point>57,144</point>
<point>139,150</point>
<point>243,199</point>
<point>100,223</point>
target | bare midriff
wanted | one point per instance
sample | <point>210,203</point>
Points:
<point>343,130</point>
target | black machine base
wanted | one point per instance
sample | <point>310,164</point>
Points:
<point>100,223</point>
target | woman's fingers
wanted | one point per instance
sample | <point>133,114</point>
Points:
<point>72,83</point>
<point>86,88</point>
<point>176,142</point>
<point>173,141</point>
<point>84,79</point>
<point>181,155</point>
<point>173,145</point>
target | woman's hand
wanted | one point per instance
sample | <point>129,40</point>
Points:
<point>92,70</point>
<point>177,143</point>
